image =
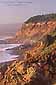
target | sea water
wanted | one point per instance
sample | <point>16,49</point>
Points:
<point>4,55</point>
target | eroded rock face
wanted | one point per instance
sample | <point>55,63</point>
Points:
<point>32,29</point>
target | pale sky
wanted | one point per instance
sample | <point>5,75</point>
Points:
<point>20,13</point>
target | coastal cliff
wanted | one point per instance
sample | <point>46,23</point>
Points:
<point>38,66</point>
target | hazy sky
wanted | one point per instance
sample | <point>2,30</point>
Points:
<point>20,13</point>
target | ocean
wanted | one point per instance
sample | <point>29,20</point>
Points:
<point>4,55</point>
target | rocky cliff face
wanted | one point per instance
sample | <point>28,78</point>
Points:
<point>38,66</point>
<point>35,31</point>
